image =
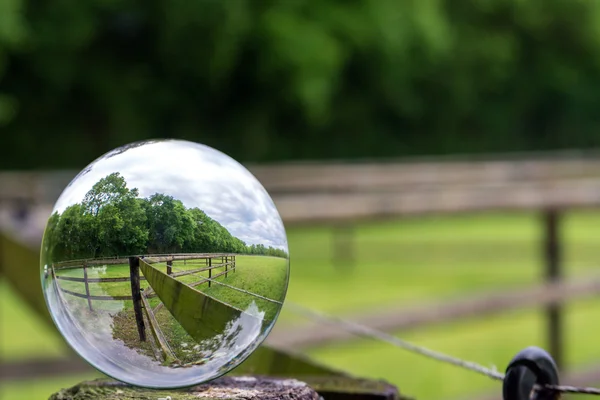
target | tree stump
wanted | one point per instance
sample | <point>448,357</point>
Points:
<point>241,388</point>
<point>246,388</point>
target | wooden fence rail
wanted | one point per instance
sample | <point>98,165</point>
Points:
<point>341,194</point>
<point>154,258</point>
<point>227,261</point>
<point>444,311</point>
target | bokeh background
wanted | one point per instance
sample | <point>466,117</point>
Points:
<point>415,148</point>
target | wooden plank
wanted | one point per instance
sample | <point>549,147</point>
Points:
<point>331,207</point>
<point>168,355</point>
<point>15,253</point>
<point>181,257</point>
<point>195,271</point>
<point>151,258</point>
<point>90,262</point>
<point>91,297</point>
<point>439,312</point>
<point>17,370</point>
<point>95,280</point>
<point>313,176</point>
<point>319,176</point>
<point>205,280</point>
<point>324,192</point>
<point>207,319</point>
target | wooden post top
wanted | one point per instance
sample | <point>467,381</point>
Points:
<point>238,387</point>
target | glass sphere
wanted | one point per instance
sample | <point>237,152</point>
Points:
<point>164,263</point>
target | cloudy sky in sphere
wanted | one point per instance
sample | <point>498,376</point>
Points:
<point>197,175</point>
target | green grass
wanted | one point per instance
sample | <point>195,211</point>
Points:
<point>402,262</point>
<point>22,334</point>
<point>264,276</point>
<point>414,260</point>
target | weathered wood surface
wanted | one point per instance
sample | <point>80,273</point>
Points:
<point>246,388</point>
<point>93,297</point>
<point>159,337</point>
<point>241,387</point>
<point>195,271</point>
<point>440,311</point>
<point>322,192</point>
<point>208,318</point>
<point>94,280</point>
<point>152,258</point>
<point>46,186</point>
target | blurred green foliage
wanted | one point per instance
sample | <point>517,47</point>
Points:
<point>271,80</point>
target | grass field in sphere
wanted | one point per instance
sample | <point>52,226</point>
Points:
<point>405,262</point>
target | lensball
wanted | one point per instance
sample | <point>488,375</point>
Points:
<point>164,263</point>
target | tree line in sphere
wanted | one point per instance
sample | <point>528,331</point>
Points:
<point>112,220</point>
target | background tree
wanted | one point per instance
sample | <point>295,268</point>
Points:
<point>109,190</point>
<point>273,80</point>
<point>74,233</point>
<point>169,224</point>
<point>112,221</point>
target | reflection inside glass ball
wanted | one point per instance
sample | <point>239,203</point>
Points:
<point>164,263</point>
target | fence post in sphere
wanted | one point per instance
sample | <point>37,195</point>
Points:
<point>209,270</point>
<point>170,267</point>
<point>134,273</point>
<point>87,286</point>
<point>226,265</point>
<point>553,274</point>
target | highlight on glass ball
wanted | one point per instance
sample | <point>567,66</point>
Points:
<point>164,263</point>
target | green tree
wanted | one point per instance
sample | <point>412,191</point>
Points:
<point>73,235</point>
<point>170,226</point>
<point>49,240</point>
<point>111,189</point>
<point>121,229</point>
<point>13,35</point>
<point>114,221</point>
<point>300,79</point>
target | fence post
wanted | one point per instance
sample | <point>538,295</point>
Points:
<point>87,287</point>
<point>170,267</point>
<point>233,263</point>
<point>136,294</point>
<point>209,270</point>
<point>343,246</point>
<point>552,256</point>
<point>226,261</point>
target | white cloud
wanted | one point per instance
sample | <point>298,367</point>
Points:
<point>197,175</point>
